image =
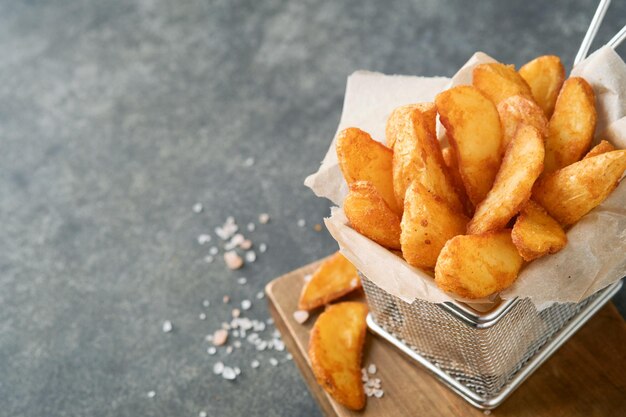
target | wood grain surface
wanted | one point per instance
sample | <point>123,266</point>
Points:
<point>585,377</point>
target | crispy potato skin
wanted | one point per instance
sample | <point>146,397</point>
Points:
<point>400,115</point>
<point>334,278</point>
<point>571,192</point>
<point>361,158</point>
<point>536,234</point>
<point>335,352</point>
<point>517,110</point>
<point>417,155</point>
<point>478,266</point>
<point>572,125</point>
<point>600,148</point>
<point>451,162</point>
<point>427,224</point>
<point>473,126</point>
<point>370,215</point>
<point>545,76</point>
<point>498,82</point>
<point>521,166</point>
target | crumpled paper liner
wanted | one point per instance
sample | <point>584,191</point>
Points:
<point>595,255</point>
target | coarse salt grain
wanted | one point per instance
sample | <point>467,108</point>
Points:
<point>202,316</point>
<point>378,393</point>
<point>251,226</point>
<point>248,162</point>
<point>211,350</point>
<point>218,368</point>
<point>372,369</point>
<point>255,364</point>
<point>250,256</point>
<point>308,277</point>
<point>246,304</point>
<point>226,299</point>
<point>245,244</point>
<point>229,350</point>
<point>208,259</point>
<point>167,326</point>
<point>289,356</point>
<point>260,295</point>
<point>206,303</point>
<point>301,316</point>
<point>213,250</point>
<point>229,373</point>
<point>237,370</point>
<point>202,414</point>
<point>204,238</point>
<point>151,394</point>
<point>233,260</point>
<point>354,283</point>
<point>273,361</point>
<point>262,247</point>
<point>301,223</point>
<point>220,337</point>
<point>197,208</point>
<point>264,218</point>
<point>237,344</point>
<point>242,281</point>
<point>236,312</point>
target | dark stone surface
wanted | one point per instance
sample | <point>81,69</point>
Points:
<point>117,116</point>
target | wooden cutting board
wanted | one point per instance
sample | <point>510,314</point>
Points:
<point>585,377</point>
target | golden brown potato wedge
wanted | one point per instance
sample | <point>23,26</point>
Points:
<point>600,148</point>
<point>517,110</point>
<point>427,224</point>
<point>335,352</point>
<point>473,127</point>
<point>361,158</point>
<point>521,166</point>
<point>544,75</point>
<point>451,162</point>
<point>572,125</point>
<point>398,118</point>
<point>417,155</point>
<point>536,233</point>
<point>499,81</point>
<point>571,192</point>
<point>478,266</point>
<point>370,215</point>
<point>334,278</point>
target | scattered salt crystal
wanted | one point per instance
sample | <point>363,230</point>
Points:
<point>242,281</point>
<point>260,295</point>
<point>208,337</point>
<point>289,356</point>
<point>202,316</point>
<point>237,370</point>
<point>202,414</point>
<point>226,299</point>
<point>206,303</point>
<point>369,392</point>
<point>233,260</point>
<point>308,277</point>
<point>250,256</point>
<point>248,162</point>
<point>354,282</point>
<point>229,350</point>
<point>246,304</point>
<point>279,345</point>
<point>236,312</point>
<point>300,316</point>
<point>372,369</point>
<point>262,248</point>
<point>370,383</point>
<point>378,393</point>
<point>270,321</point>
<point>273,361</point>
<point>167,326</point>
<point>218,368</point>
<point>219,337</point>
<point>364,376</point>
<point>234,241</point>
<point>151,394</point>
<point>197,208</point>
<point>255,364</point>
<point>245,244</point>
<point>237,344</point>
<point>251,226</point>
<point>225,326</point>
<point>214,250</point>
<point>211,350</point>
<point>208,259</point>
<point>229,373</point>
<point>204,238</point>
<point>301,223</point>
<point>264,218</point>
<point>235,333</point>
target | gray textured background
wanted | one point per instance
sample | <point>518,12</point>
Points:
<point>116,116</point>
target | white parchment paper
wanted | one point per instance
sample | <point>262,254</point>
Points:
<point>595,255</point>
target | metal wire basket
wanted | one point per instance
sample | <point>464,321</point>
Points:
<point>482,356</point>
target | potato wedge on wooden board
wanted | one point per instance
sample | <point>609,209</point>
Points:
<point>427,224</point>
<point>336,349</point>
<point>478,266</point>
<point>517,110</point>
<point>399,117</point>
<point>536,233</point>
<point>545,76</point>
<point>417,155</point>
<point>473,127</point>
<point>361,158</point>
<point>571,126</point>
<point>334,278</point>
<point>571,192</point>
<point>600,148</point>
<point>371,216</point>
<point>521,166</point>
<point>499,81</point>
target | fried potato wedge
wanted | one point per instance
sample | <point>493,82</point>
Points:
<point>571,192</point>
<point>361,158</point>
<point>544,75</point>
<point>572,125</point>
<point>427,224</point>
<point>417,155</point>
<point>600,148</point>
<point>517,110</point>
<point>449,158</point>
<point>478,266</point>
<point>398,118</point>
<point>335,351</point>
<point>521,166</point>
<point>371,216</point>
<point>499,81</point>
<point>473,127</point>
<point>536,233</point>
<point>334,278</point>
